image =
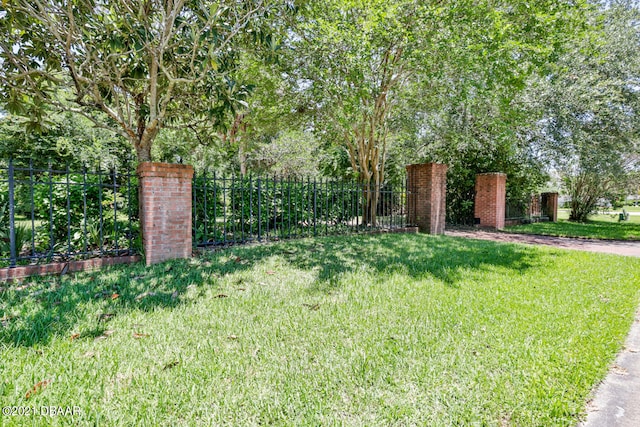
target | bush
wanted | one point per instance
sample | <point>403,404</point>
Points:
<point>238,207</point>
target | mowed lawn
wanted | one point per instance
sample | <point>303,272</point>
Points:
<point>598,227</point>
<point>370,330</point>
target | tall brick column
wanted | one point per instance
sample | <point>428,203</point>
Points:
<point>426,204</point>
<point>550,206</point>
<point>490,200</point>
<point>165,210</point>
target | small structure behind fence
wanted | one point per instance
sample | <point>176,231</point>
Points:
<point>61,214</point>
<point>243,209</point>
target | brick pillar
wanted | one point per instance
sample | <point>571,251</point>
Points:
<point>490,200</point>
<point>165,210</point>
<point>550,206</point>
<point>426,204</point>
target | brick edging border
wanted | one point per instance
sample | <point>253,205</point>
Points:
<point>23,271</point>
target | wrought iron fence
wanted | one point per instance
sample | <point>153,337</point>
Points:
<point>242,209</point>
<point>49,215</point>
<point>525,210</point>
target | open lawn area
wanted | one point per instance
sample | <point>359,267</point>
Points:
<point>598,227</point>
<point>367,330</point>
<point>630,208</point>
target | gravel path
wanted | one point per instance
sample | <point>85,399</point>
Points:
<point>592,245</point>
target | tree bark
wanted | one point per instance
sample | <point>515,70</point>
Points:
<point>242,158</point>
<point>143,153</point>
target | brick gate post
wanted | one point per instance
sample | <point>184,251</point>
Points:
<point>427,197</point>
<point>550,206</point>
<point>490,202</point>
<point>165,210</point>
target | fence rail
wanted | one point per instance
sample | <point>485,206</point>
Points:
<point>525,210</point>
<point>57,214</point>
<point>242,209</point>
<point>49,215</point>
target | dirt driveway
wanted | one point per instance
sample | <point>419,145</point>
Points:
<point>592,245</point>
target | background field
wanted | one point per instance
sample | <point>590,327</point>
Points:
<point>598,227</point>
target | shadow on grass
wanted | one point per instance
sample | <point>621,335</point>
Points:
<point>44,307</point>
<point>33,311</point>
<point>415,255</point>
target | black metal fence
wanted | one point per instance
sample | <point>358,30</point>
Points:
<point>51,214</point>
<point>242,209</point>
<point>525,210</point>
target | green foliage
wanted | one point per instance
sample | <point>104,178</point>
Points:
<point>243,208</point>
<point>239,87</point>
<point>476,131</point>
<point>241,133</point>
<point>66,139</point>
<point>75,213</point>
<point>591,105</point>
<point>468,102</point>
<point>22,235</point>
<point>588,190</point>
<point>292,154</point>
<point>89,221</point>
<point>524,176</point>
<point>22,232</point>
<point>606,227</point>
<point>128,67</point>
<point>372,45</point>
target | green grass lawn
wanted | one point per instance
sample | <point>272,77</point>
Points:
<point>598,227</point>
<point>365,330</point>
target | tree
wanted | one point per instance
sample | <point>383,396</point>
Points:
<point>360,59</point>
<point>474,127</point>
<point>58,142</point>
<point>140,64</point>
<point>293,154</point>
<point>592,105</point>
<point>352,57</point>
<point>259,109</point>
<point>256,111</point>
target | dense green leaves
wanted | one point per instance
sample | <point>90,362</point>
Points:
<point>139,63</point>
<point>591,105</point>
<point>526,88</point>
<point>65,138</point>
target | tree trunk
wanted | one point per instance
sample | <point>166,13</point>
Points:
<point>371,193</point>
<point>143,152</point>
<point>242,158</point>
<point>367,218</point>
<point>235,135</point>
<point>144,141</point>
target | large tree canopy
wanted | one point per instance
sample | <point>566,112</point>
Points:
<point>359,59</point>
<point>591,106</point>
<point>130,66</point>
<point>482,85</point>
